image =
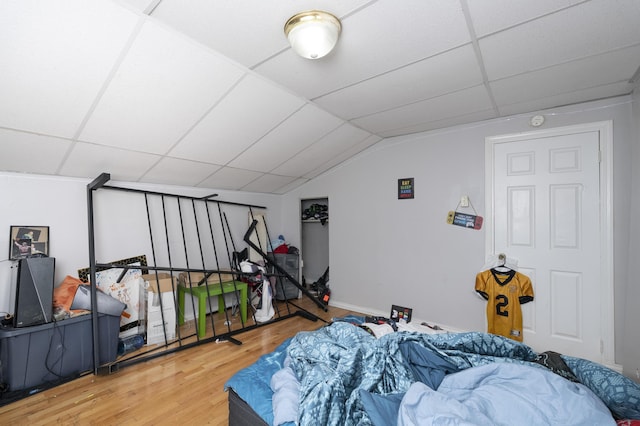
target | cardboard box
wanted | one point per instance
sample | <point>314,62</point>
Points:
<point>161,309</point>
<point>196,277</point>
<point>165,281</point>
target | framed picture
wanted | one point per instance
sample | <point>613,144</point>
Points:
<point>141,260</point>
<point>27,241</point>
<point>400,313</point>
<point>406,189</point>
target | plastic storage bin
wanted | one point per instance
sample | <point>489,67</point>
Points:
<point>285,289</point>
<point>32,356</point>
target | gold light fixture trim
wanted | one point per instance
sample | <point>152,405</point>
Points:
<point>313,34</point>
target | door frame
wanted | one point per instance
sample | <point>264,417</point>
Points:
<point>605,129</point>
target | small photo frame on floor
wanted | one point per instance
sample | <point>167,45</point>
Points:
<point>27,241</point>
<point>400,313</point>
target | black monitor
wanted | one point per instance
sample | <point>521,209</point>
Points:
<point>34,291</point>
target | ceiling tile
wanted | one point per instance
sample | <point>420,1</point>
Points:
<point>163,87</point>
<point>230,178</point>
<point>500,14</point>
<point>55,57</point>
<point>577,32</point>
<point>343,156</point>
<point>175,171</point>
<point>89,160</point>
<point>450,105</point>
<point>579,96</point>
<point>300,130</point>
<point>249,32</point>
<point>322,151</point>
<point>141,87</point>
<point>142,5</point>
<point>421,28</point>
<point>224,132</point>
<point>442,123</point>
<point>31,153</point>
<point>268,183</point>
<point>292,185</point>
<point>426,79</point>
<point>614,67</point>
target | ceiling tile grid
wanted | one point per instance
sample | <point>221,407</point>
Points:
<point>367,48</point>
<point>441,123</point>
<point>55,58</point>
<point>322,151</point>
<point>502,14</point>
<point>268,183</point>
<point>209,94</point>
<point>253,108</point>
<point>249,32</point>
<point>343,156</point>
<point>176,171</point>
<point>585,95</point>
<point>591,29</point>
<point>568,77</point>
<point>31,153</point>
<point>298,131</point>
<point>230,178</point>
<point>440,74</point>
<point>89,160</point>
<point>449,105</point>
<point>164,84</point>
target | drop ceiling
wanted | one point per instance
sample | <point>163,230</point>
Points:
<point>208,93</point>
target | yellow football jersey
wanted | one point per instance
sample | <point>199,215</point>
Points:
<point>505,292</point>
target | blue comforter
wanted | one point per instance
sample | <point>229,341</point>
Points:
<point>501,394</point>
<point>335,361</point>
<point>341,369</point>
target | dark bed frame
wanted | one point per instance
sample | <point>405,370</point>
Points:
<point>204,212</point>
<point>241,413</point>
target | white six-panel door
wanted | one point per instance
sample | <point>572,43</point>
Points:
<point>544,198</point>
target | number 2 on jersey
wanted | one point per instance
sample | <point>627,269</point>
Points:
<point>501,305</point>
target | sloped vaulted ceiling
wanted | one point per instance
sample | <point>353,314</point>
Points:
<point>209,94</point>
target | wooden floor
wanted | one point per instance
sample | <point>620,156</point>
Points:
<point>184,387</point>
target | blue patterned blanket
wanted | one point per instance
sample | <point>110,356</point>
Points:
<point>337,364</point>
<point>337,361</point>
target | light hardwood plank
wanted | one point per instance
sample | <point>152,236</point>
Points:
<point>185,387</point>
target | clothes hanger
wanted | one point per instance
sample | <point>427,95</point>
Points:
<point>502,265</point>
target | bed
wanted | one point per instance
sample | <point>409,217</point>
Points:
<point>343,374</point>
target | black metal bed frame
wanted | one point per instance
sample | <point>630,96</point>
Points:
<point>99,184</point>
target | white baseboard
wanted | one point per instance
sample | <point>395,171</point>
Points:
<point>377,313</point>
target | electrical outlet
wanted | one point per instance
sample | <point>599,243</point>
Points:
<point>637,373</point>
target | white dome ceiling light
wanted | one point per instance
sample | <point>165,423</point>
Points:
<point>313,34</point>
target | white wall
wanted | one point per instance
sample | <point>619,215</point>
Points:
<point>121,225</point>
<point>631,333</point>
<point>384,250</point>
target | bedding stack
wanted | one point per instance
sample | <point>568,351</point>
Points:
<point>342,374</point>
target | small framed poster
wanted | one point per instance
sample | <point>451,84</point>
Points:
<point>26,241</point>
<point>406,189</point>
<point>400,313</point>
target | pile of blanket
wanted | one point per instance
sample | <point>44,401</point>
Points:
<point>341,374</point>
